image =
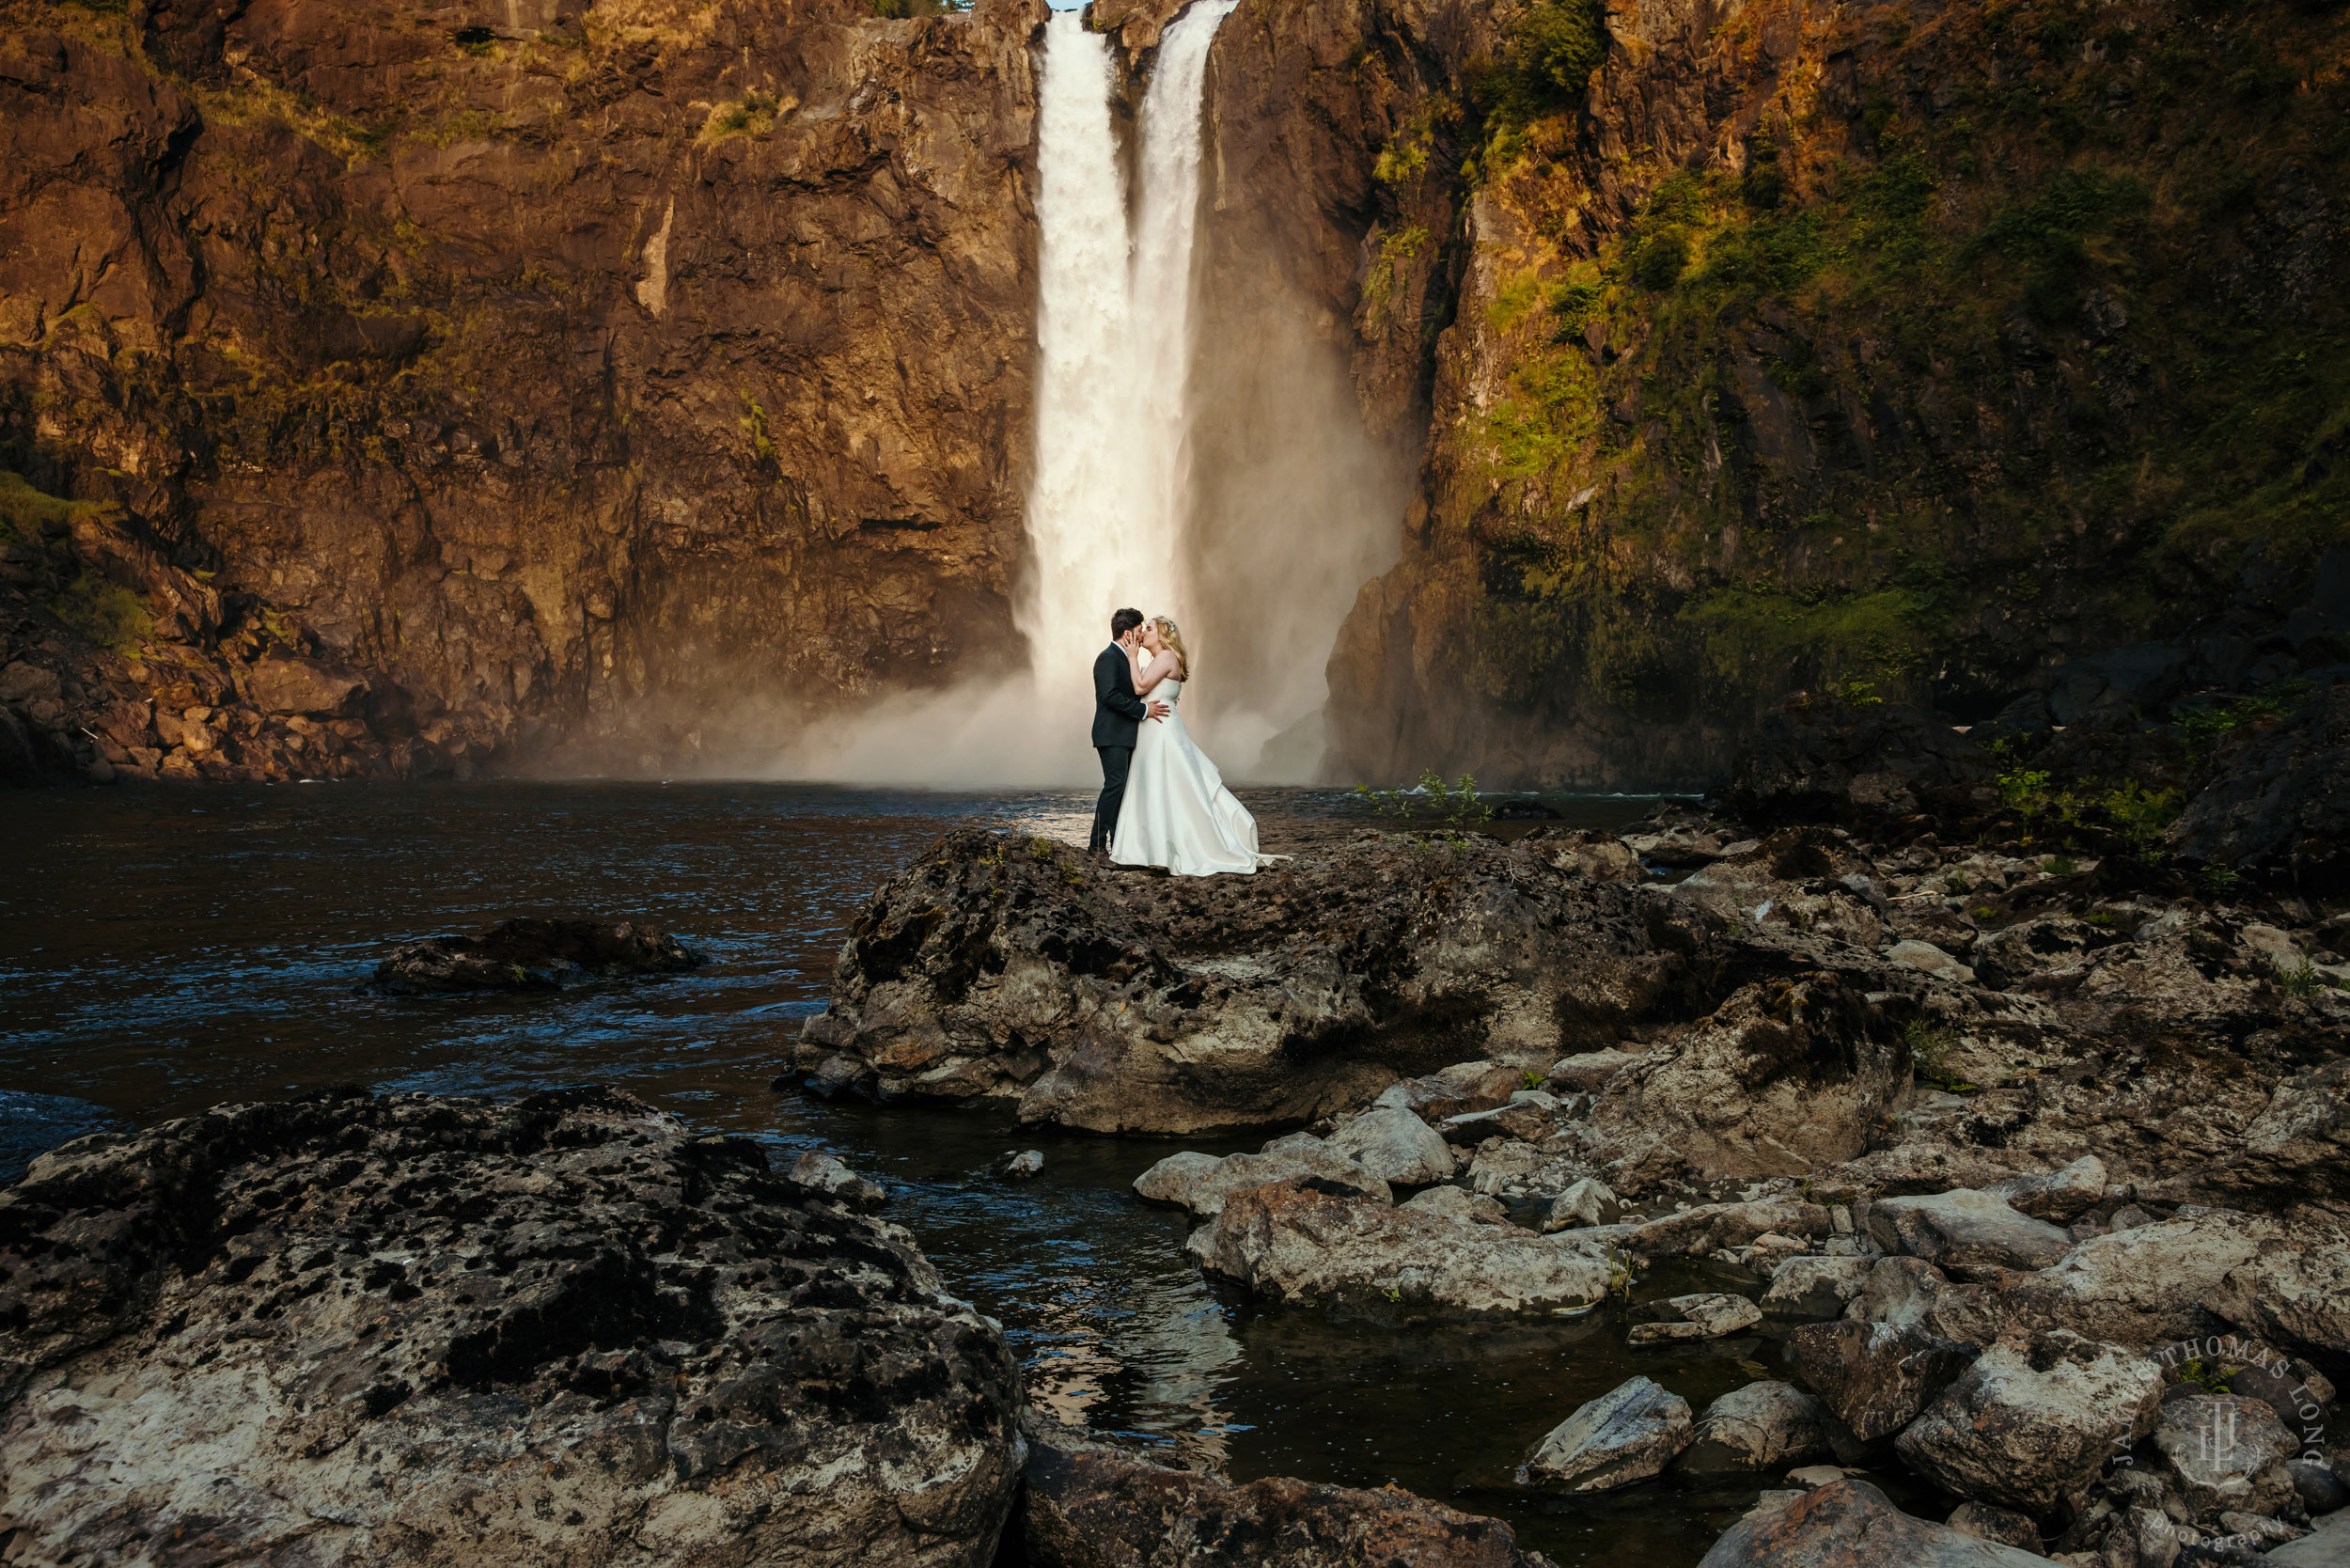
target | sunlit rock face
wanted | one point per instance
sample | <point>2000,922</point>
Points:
<point>630,377</point>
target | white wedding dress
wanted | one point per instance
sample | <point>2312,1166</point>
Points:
<point>1178,813</point>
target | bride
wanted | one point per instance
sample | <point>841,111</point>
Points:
<point>1178,813</point>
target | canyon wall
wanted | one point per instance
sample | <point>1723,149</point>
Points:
<point>393,390</point>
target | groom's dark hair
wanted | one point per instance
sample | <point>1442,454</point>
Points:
<point>1124,621</point>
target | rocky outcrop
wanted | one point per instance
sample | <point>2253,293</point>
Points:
<point>32,1125</point>
<point>530,954</point>
<point>410,1329</point>
<point>2275,802</point>
<point>1089,1505</point>
<point>511,384</point>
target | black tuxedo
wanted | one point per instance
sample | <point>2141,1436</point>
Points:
<point>1117,716</point>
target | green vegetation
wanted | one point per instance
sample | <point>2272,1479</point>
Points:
<point>1456,805</point>
<point>40,526</point>
<point>1932,1046</point>
<point>2061,865</point>
<point>2299,978</point>
<point>753,423</point>
<point>2217,880</point>
<point>1547,66</point>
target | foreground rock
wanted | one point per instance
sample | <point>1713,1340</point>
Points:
<point>1762,1426</point>
<point>1089,1506</point>
<point>1877,1377</point>
<point>1850,1524</point>
<point>1628,1434</point>
<point>2034,1421</point>
<point>1307,1239</point>
<point>555,1330</point>
<point>1201,1182</point>
<point>532,955</point>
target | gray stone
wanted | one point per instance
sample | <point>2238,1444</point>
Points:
<point>1627,1434</point>
<point>1202,1182</point>
<point>1813,1288</point>
<point>1465,1085</point>
<point>1961,1228</point>
<point>2326,1545</point>
<point>1932,960</point>
<point>2320,1489</point>
<point>1527,1116</point>
<point>1018,1164</point>
<point>1703,1316</point>
<point>2033,1420</point>
<point>2226,1452</point>
<point>1589,1070</point>
<point>1762,1426</point>
<point>828,1175</point>
<point>1586,1203</point>
<point>1850,1524</point>
<point>1396,1146</point>
<point>2060,1196</point>
<point>1458,1205</point>
<point>1875,1377</point>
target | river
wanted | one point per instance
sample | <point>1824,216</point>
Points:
<point>165,950</point>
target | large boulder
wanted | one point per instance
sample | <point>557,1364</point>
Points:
<point>2034,1421</point>
<point>1628,1434</point>
<point>1088,1505</point>
<point>1952,1229</point>
<point>1201,1182</point>
<point>1875,1377</point>
<point>1310,1240</point>
<point>533,955</point>
<point>2278,802</point>
<point>1762,1426</point>
<point>556,1330</point>
<point>2225,1453</point>
<point>1810,1288</point>
<point>291,684</point>
<point>1395,1146</point>
<point>2298,1294</point>
<point>1011,967</point>
<point>1850,1524</point>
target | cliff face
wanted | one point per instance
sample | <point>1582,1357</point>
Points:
<point>1913,349</point>
<point>556,379</point>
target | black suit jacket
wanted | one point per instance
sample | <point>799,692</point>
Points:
<point>1117,712</point>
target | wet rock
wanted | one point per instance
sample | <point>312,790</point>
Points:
<point>1874,1378</point>
<point>1627,1434</point>
<point>1395,1146</point>
<point>1001,965</point>
<point>1201,1182</point>
<point>32,1125</point>
<point>1850,1524</point>
<point>1585,1202</point>
<point>1711,1228</point>
<point>1017,1165</point>
<point>532,955</point>
<point>1986,1522</point>
<point>1762,1426</point>
<point>2034,1420</point>
<point>2224,1453</point>
<point>1087,1505</point>
<point>1309,1240</point>
<point>827,1174</point>
<point>1704,1316</point>
<point>564,1309</point>
<point>1955,1228</point>
<point>1814,1288</point>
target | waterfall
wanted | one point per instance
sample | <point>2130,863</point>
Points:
<point>1108,509</point>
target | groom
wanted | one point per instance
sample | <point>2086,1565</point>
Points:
<point>1117,714</point>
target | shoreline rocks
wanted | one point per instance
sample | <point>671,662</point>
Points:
<point>413,1329</point>
<point>530,954</point>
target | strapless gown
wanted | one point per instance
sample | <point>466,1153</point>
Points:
<point>1178,813</point>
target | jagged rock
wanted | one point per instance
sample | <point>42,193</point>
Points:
<point>2279,800</point>
<point>1307,1239</point>
<point>1585,1202</point>
<point>1458,1205</point>
<point>1201,1182</point>
<point>1583,851</point>
<point>1783,1076</point>
<point>1928,959</point>
<point>828,1175</point>
<point>1008,966</point>
<point>558,1314</point>
<point>1529,1115</point>
<point>1017,1165</point>
<point>1628,1434</point>
<point>1814,1288</point>
<point>1875,1377</point>
<point>1087,1505</point>
<point>2145,1285</point>
<point>1590,1070</point>
<point>2224,1453</point>
<point>1850,1524</point>
<point>1709,1315</point>
<point>293,684</point>
<point>1395,1146</point>
<point>2059,1196</point>
<point>32,1125</point>
<point>1710,1228</point>
<point>532,955</point>
<point>1986,1522</point>
<point>2034,1420</point>
<point>1463,1088</point>
<point>1762,1426</point>
<point>1953,1229</point>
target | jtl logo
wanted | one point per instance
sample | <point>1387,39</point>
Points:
<point>2217,1441</point>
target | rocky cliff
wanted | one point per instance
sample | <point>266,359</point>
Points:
<point>390,388</point>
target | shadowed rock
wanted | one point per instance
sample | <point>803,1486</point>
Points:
<point>532,955</point>
<point>555,1330</point>
<point>1850,1524</point>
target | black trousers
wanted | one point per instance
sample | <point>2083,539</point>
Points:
<point>1115,761</point>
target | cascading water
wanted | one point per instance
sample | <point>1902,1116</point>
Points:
<point>1107,513</point>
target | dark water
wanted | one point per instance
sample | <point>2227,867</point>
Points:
<point>165,951</point>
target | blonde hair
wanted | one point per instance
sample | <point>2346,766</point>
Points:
<point>1173,639</point>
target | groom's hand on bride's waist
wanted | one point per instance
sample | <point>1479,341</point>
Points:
<point>1159,710</point>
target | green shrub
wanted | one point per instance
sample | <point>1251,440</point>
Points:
<point>1660,258</point>
<point>1546,65</point>
<point>106,613</point>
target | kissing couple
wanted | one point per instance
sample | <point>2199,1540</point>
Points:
<point>1163,801</point>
